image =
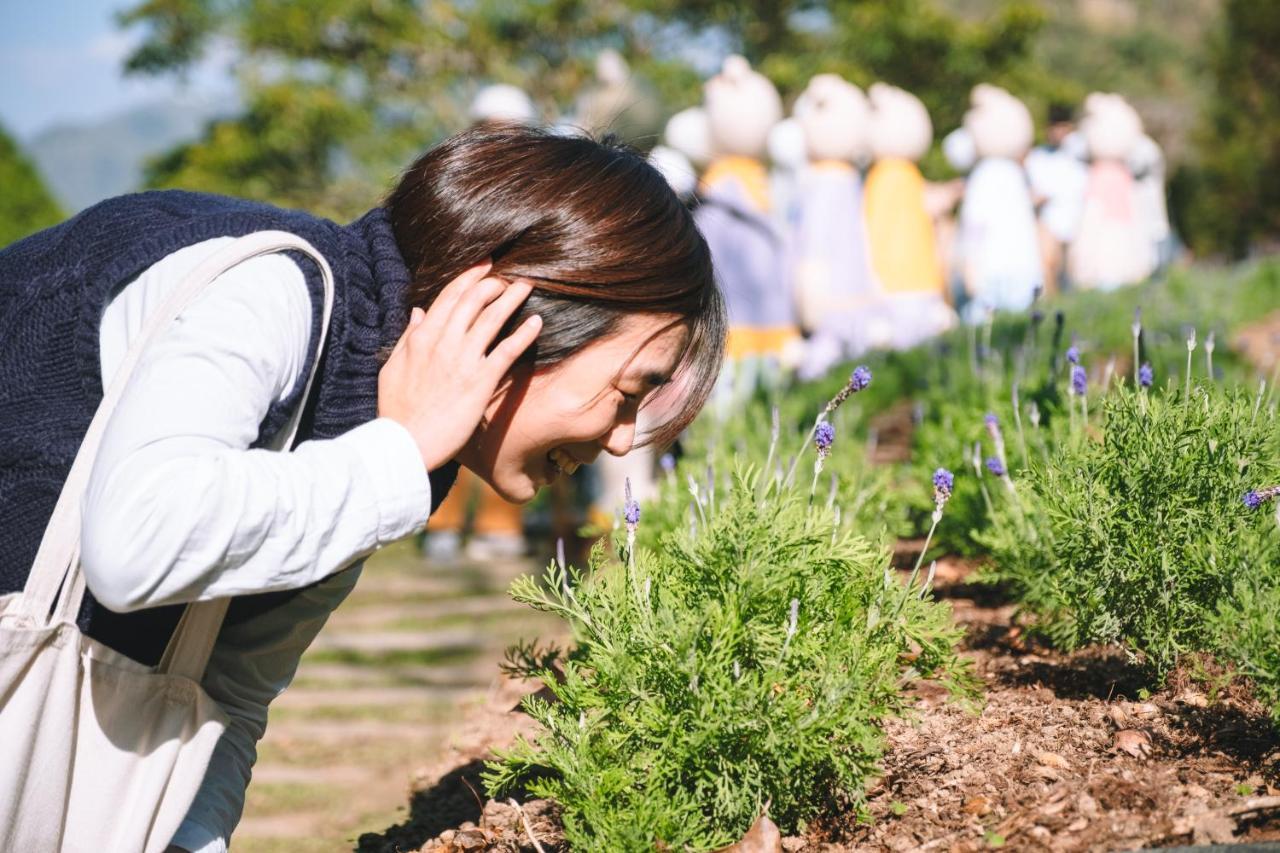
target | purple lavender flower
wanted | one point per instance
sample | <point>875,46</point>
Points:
<point>1073,354</point>
<point>943,482</point>
<point>858,380</point>
<point>1255,498</point>
<point>995,466</point>
<point>823,437</point>
<point>1146,376</point>
<point>991,421</point>
<point>668,463</point>
<point>630,509</point>
<point>1079,381</point>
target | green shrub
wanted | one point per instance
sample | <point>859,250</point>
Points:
<point>1133,533</point>
<point>746,662</point>
<point>1247,623</point>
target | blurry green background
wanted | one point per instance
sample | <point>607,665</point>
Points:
<point>328,99</point>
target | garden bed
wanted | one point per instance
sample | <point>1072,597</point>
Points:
<point>1067,753</point>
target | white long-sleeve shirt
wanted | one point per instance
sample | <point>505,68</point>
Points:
<point>178,509</point>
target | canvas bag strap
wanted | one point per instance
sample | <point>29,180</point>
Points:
<point>58,557</point>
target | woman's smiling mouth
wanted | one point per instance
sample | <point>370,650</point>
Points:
<point>563,463</point>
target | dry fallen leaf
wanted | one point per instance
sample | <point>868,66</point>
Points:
<point>1047,773</point>
<point>1133,741</point>
<point>762,837</point>
<point>978,806</point>
<point>1192,698</point>
<point>1052,759</point>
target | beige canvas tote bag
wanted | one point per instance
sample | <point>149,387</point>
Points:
<point>97,751</point>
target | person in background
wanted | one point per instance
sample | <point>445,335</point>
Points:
<point>998,245</point>
<point>904,249</point>
<point>736,216</point>
<point>1058,178</point>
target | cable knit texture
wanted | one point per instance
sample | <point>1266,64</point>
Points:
<point>54,287</point>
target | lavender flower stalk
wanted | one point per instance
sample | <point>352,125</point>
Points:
<point>1146,376</point>
<point>998,468</point>
<point>1017,421</point>
<point>943,484</point>
<point>1255,498</point>
<point>858,381</point>
<point>1191,347</point>
<point>1079,381</point>
<point>668,464</point>
<point>823,437</point>
<point>997,437</point>
<point>975,459</point>
<point>631,515</point>
<point>1208,354</point>
<point>1073,354</point>
<point>1136,328</point>
<point>1079,388</point>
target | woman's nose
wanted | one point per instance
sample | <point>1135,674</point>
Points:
<point>618,441</point>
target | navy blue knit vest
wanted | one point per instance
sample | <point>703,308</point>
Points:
<point>54,287</point>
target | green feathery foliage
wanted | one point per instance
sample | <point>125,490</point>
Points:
<point>1137,533</point>
<point>745,662</point>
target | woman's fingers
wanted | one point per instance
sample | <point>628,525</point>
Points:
<point>442,308</point>
<point>416,316</point>
<point>496,314</point>
<point>512,347</point>
<point>468,308</point>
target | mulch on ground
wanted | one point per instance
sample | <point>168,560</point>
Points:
<point>1068,752</point>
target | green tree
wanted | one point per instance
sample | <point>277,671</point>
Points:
<point>1229,201</point>
<point>26,205</point>
<point>340,94</point>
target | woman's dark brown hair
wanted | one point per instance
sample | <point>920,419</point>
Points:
<point>591,223</point>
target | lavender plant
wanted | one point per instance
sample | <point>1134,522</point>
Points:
<point>749,662</point>
<point>1135,538</point>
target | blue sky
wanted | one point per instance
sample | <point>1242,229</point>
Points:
<point>60,63</point>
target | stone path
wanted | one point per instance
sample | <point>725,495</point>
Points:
<point>377,697</point>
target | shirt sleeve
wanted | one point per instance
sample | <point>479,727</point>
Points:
<point>178,510</point>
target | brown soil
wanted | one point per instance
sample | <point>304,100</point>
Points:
<point>448,812</point>
<point>1259,342</point>
<point>1068,752</point>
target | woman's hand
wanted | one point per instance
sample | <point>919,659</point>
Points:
<point>441,375</point>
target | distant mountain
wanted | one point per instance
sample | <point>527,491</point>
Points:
<point>86,163</point>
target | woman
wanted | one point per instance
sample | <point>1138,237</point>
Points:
<point>509,308</point>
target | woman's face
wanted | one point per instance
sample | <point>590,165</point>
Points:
<point>544,423</point>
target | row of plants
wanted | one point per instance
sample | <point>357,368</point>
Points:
<point>739,648</point>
